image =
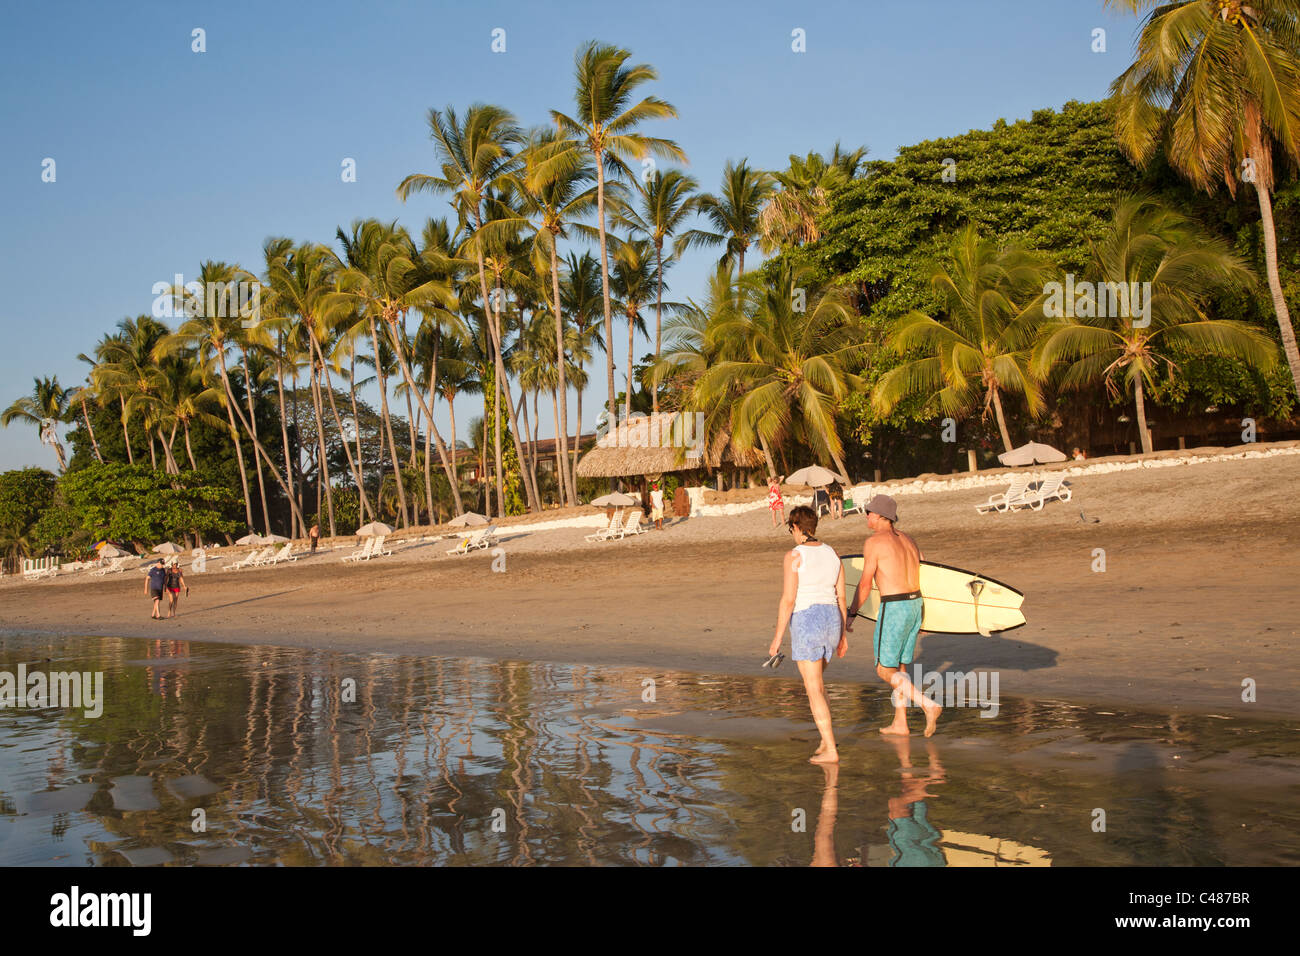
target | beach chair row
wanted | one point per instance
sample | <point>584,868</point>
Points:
<point>1019,494</point>
<point>265,557</point>
<point>373,548</point>
<point>617,530</point>
<point>480,540</point>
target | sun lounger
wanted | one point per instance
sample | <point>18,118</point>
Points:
<point>1050,489</point>
<point>633,523</point>
<point>379,550</point>
<point>610,530</point>
<point>1008,499</point>
<point>116,566</point>
<point>250,560</point>
<point>284,554</point>
<point>855,502</point>
<point>475,542</point>
<point>363,553</point>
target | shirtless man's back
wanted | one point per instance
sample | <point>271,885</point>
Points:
<point>892,560</point>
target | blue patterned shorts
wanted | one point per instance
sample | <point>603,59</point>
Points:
<point>815,632</point>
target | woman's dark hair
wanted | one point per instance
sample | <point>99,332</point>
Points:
<point>804,518</point>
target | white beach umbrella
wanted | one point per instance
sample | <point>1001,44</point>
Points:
<point>112,551</point>
<point>374,529</point>
<point>467,519</point>
<point>815,476</point>
<point>249,539</point>
<point>166,548</point>
<point>1032,453</point>
<point>273,539</point>
<point>615,499</point>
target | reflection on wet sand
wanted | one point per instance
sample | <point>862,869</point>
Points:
<point>213,755</point>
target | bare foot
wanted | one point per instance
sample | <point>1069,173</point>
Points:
<point>896,730</point>
<point>931,716</point>
<point>827,756</point>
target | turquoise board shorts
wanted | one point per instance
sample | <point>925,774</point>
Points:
<point>914,839</point>
<point>897,625</point>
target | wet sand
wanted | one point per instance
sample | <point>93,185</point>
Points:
<point>1198,595</point>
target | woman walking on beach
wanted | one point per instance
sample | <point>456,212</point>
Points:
<point>775,503</point>
<point>175,581</point>
<point>813,606</point>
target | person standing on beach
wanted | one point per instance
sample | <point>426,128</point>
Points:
<point>155,583</point>
<point>892,560</point>
<point>812,606</point>
<point>657,506</point>
<point>314,535</point>
<point>175,581</point>
<point>775,503</point>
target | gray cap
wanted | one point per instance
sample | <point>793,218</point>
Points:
<point>884,506</point>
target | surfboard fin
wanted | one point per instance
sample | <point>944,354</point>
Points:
<point>976,589</point>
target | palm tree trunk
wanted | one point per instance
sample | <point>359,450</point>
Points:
<point>388,427</point>
<point>631,334</point>
<point>604,286</point>
<point>561,455</point>
<point>454,476</point>
<point>284,434</point>
<point>322,466</point>
<point>494,329</point>
<point>1002,422</point>
<point>767,454</point>
<point>1275,285</point>
<point>356,421</point>
<point>1140,400</point>
<point>153,455</point>
<point>252,424</point>
<point>577,437</point>
<point>189,452</point>
<point>171,466</point>
<point>562,422</point>
<point>257,445</point>
<point>343,438</point>
<point>85,417</point>
<point>659,308</point>
<point>428,412</point>
<point>126,435</point>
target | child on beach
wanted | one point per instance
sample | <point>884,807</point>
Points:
<point>812,605</point>
<point>775,503</point>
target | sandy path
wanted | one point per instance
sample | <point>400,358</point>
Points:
<point>1199,593</point>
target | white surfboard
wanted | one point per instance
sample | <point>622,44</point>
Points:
<point>956,601</point>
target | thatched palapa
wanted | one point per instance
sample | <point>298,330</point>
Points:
<point>657,444</point>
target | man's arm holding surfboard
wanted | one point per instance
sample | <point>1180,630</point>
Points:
<point>868,575</point>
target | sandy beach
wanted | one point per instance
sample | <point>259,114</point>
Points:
<point>1198,594</point>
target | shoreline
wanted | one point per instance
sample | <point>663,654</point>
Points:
<point>1197,595</point>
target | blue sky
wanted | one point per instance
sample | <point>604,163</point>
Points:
<point>166,157</point>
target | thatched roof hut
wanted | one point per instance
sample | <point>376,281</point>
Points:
<point>658,444</point>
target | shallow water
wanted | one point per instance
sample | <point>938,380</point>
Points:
<point>303,758</point>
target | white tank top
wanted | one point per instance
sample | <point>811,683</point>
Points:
<point>818,567</point>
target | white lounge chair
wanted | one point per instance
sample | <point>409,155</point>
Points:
<point>379,550</point>
<point>1051,488</point>
<point>1008,499</point>
<point>285,554</point>
<point>250,560</point>
<point>609,531</point>
<point>855,502</point>
<point>475,542</point>
<point>364,552</point>
<point>116,566</point>
<point>633,523</point>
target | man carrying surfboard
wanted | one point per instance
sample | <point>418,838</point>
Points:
<point>892,560</point>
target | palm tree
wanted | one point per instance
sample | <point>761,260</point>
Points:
<point>580,296</point>
<point>633,280</point>
<point>790,215</point>
<point>734,212</point>
<point>784,371</point>
<point>476,156</point>
<point>551,191</point>
<point>1149,243</point>
<point>1217,83</point>
<point>46,406</point>
<point>666,202</point>
<point>606,127</point>
<point>88,390</point>
<point>387,277</point>
<point>209,331</point>
<point>992,307</point>
<point>456,375</point>
<point>127,368</point>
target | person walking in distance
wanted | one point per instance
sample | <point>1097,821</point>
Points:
<point>314,536</point>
